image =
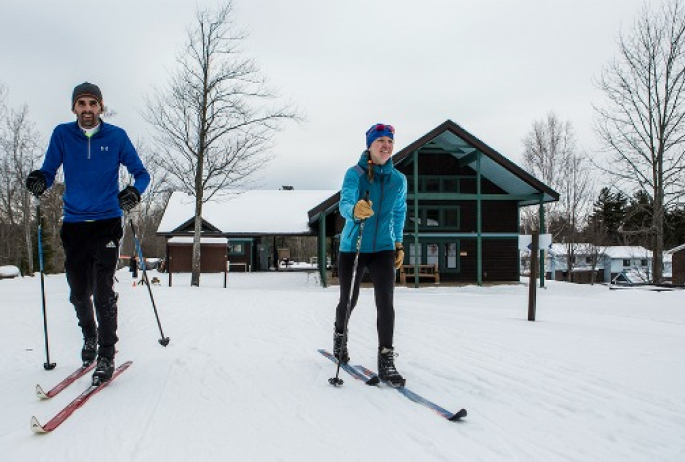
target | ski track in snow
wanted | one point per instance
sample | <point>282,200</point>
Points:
<point>599,376</point>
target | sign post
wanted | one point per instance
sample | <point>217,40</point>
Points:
<point>531,285</point>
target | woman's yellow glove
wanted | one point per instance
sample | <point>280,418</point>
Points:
<point>399,254</point>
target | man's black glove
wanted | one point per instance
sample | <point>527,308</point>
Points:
<point>36,183</point>
<point>129,197</point>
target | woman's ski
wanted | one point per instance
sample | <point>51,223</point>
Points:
<point>350,370</point>
<point>418,398</point>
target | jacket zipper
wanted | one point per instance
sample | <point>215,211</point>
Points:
<point>88,147</point>
<point>380,208</point>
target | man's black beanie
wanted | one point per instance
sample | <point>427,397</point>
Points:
<point>86,89</point>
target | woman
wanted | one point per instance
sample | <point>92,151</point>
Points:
<point>373,201</point>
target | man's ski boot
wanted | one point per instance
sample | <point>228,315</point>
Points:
<point>89,351</point>
<point>103,370</point>
<point>338,347</point>
<point>386,368</point>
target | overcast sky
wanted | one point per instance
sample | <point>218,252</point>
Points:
<point>492,66</point>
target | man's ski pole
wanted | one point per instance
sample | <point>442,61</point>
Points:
<point>337,380</point>
<point>47,365</point>
<point>164,341</point>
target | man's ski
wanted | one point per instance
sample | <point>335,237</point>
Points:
<point>419,399</point>
<point>80,400</point>
<point>77,374</point>
<point>350,370</point>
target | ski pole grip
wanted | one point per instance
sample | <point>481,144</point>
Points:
<point>366,196</point>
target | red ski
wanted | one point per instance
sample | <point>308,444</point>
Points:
<point>80,400</point>
<point>77,374</point>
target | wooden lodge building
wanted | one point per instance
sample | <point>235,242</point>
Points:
<point>463,213</point>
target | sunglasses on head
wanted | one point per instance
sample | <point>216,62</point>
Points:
<point>382,128</point>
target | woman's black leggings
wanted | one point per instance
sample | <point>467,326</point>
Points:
<point>381,266</point>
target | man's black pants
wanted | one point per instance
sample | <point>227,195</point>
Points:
<point>92,251</point>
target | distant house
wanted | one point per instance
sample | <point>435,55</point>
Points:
<point>632,263</point>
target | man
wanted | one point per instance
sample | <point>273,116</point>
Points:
<point>90,152</point>
<point>374,194</point>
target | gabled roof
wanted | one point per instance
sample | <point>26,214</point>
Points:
<point>245,213</point>
<point>627,251</point>
<point>617,252</point>
<point>453,139</point>
<point>675,249</point>
<point>450,138</point>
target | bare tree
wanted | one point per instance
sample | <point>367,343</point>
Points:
<point>147,215</point>
<point>550,153</point>
<point>8,226</point>
<point>547,148</point>
<point>51,204</point>
<point>19,140</point>
<point>642,123</point>
<point>215,121</point>
<point>576,193</point>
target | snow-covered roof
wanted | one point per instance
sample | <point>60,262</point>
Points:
<point>248,212</point>
<point>675,249</point>
<point>203,240</point>
<point>578,248</point>
<point>612,251</point>
<point>627,251</point>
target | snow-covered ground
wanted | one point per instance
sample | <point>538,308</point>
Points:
<point>599,377</point>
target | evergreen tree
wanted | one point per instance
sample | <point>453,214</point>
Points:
<point>675,228</point>
<point>609,214</point>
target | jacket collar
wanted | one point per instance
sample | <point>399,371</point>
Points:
<point>377,169</point>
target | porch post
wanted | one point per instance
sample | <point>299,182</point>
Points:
<point>479,224</point>
<point>417,260</point>
<point>542,251</point>
<point>322,249</point>
<point>518,220</point>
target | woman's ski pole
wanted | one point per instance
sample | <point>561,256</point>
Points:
<point>337,380</point>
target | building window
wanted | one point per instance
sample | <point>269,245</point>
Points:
<point>443,183</point>
<point>236,249</point>
<point>643,262</point>
<point>450,185</point>
<point>451,255</point>
<point>412,253</point>
<point>432,184</point>
<point>626,263</point>
<point>451,218</point>
<point>432,254</point>
<point>434,218</point>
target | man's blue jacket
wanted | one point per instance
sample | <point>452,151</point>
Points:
<point>91,169</point>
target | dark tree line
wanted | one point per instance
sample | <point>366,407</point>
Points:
<point>617,219</point>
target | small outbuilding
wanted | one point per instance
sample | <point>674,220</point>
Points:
<point>677,255</point>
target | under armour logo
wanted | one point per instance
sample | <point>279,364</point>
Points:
<point>104,148</point>
<point>111,245</point>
